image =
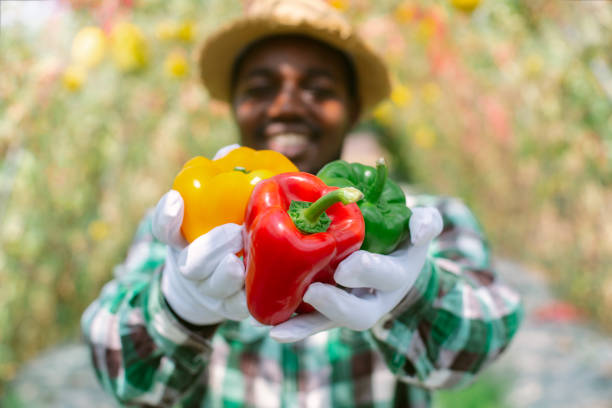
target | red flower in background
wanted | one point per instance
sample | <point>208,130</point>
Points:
<point>559,312</point>
<point>104,12</point>
<point>496,116</point>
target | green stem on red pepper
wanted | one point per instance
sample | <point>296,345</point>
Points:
<point>310,218</point>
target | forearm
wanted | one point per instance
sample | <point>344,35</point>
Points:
<point>141,353</point>
<point>446,330</point>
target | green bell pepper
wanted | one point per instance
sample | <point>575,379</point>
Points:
<point>383,207</point>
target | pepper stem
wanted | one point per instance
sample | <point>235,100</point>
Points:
<point>241,169</point>
<point>344,195</point>
<point>379,183</point>
<point>310,218</point>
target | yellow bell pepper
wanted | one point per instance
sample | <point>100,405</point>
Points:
<point>216,192</point>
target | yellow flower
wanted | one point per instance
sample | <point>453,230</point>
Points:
<point>186,31</point>
<point>465,5</point>
<point>88,47</point>
<point>74,77</point>
<point>424,137</point>
<point>128,47</point>
<point>404,13</point>
<point>533,65</point>
<point>176,65</point>
<point>169,30</point>
<point>431,93</point>
<point>384,113</point>
<point>341,5</point>
<point>426,29</point>
<point>401,95</point>
<point>98,230</point>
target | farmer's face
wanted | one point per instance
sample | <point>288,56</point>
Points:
<point>292,95</point>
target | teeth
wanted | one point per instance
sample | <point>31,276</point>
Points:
<point>289,144</point>
<point>289,139</point>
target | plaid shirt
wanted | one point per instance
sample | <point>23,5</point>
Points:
<point>456,319</point>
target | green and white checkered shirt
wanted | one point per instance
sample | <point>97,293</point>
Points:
<point>456,320</point>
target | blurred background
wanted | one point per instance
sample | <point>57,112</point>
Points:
<point>504,103</point>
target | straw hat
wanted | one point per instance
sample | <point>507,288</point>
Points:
<point>312,18</point>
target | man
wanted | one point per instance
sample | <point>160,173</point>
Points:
<point>173,326</point>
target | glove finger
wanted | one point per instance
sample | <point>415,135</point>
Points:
<point>345,309</point>
<point>255,323</point>
<point>222,152</point>
<point>204,254</point>
<point>235,306</point>
<point>167,220</point>
<point>226,280</point>
<point>387,301</point>
<point>300,327</point>
<point>183,297</point>
<point>425,224</point>
<point>363,269</point>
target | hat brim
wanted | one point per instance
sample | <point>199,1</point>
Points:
<point>220,51</point>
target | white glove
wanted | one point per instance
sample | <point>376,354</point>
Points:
<point>377,283</point>
<point>225,150</point>
<point>203,281</point>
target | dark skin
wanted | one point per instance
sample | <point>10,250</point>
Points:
<point>291,94</point>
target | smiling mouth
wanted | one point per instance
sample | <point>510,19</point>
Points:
<point>291,145</point>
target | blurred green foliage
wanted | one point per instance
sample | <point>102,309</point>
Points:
<point>484,393</point>
<point>506,108</point>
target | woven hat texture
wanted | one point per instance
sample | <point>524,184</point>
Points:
<point>311,18</point>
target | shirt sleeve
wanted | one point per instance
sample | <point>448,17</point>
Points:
<point>458,317</point>
<point>142,355</point>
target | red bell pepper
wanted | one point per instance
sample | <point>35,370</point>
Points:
<point>297,230</point>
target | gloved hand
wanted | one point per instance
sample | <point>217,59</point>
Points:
<point>202,281</point>
<point>376,284</point>
<point>225,150</point>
